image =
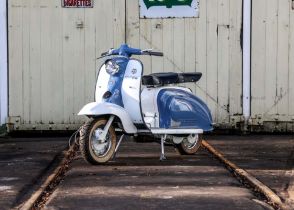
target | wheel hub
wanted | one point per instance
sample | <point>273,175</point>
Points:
<point>191,140</point>
<point>100,146</point>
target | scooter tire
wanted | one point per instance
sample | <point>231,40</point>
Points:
<point>182,149</point>
<point>85,145</point>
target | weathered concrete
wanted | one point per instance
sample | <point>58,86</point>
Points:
<point>138,180</point>
<point>270,158</point>
<point>22,163</point>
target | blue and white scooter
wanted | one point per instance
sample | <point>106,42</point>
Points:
<point>141,106</point>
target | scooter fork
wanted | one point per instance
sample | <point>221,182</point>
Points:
<point>106,128</point>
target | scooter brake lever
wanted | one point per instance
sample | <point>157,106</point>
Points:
<point>102,57</point>
<point>108,53</point>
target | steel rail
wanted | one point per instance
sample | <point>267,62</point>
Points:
<point>273,199</point>
<point>38,199</point>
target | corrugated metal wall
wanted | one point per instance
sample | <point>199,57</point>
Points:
<point>52,63</point>
<point>273,64</point>
<point>52,53</point>
<point>209,44</point>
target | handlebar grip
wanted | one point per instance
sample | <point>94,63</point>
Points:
<point>156,53</point>
<point>104,53</point>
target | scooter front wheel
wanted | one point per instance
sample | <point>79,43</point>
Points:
<point>93,149</point>
<point>187,148</point>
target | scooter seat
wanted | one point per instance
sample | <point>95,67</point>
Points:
<point>156,79</point>
<point>164,78</point>
<point>189,77</point>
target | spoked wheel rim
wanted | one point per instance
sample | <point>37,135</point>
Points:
<point>99,148</point>
<point>91,149</point>
<point>101,151</point>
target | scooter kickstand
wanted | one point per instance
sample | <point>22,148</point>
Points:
<point>117,146</point>
<point>162,156</point>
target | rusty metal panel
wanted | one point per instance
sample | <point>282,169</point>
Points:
<point>209,44</point>
<point>52,58</point>
<point>272,64</point>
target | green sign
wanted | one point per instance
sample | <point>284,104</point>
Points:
<point>167,3</point>
<point>169,8</point>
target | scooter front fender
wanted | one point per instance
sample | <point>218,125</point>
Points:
<point>96,109</point>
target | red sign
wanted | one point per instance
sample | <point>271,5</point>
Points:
<point>77,3</point>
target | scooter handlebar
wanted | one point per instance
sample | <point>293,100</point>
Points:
<point>125,50</point>
<point>109,52</point>
<point>156,53</point>
<point>147,52</point>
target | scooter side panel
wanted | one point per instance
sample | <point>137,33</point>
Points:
<point>181,109</point>
<point>149,107</point>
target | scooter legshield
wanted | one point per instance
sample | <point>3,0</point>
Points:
<point>181,109</point>
<point>96,109</point>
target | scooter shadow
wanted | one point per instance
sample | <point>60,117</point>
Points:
<point>201,158</point>
<point>154,161</point>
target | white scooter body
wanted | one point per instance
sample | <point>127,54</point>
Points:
<point>140,103</point>
<point>149,105</point>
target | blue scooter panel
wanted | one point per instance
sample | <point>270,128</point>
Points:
<point>115,82</point>
<point>181,109</point>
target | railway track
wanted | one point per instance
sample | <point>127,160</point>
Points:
<point>41,196</point>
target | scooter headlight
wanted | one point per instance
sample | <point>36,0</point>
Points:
<point>111,67</point>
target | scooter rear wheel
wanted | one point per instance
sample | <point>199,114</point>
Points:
<point>185,148</point>
<point>92,149</point>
